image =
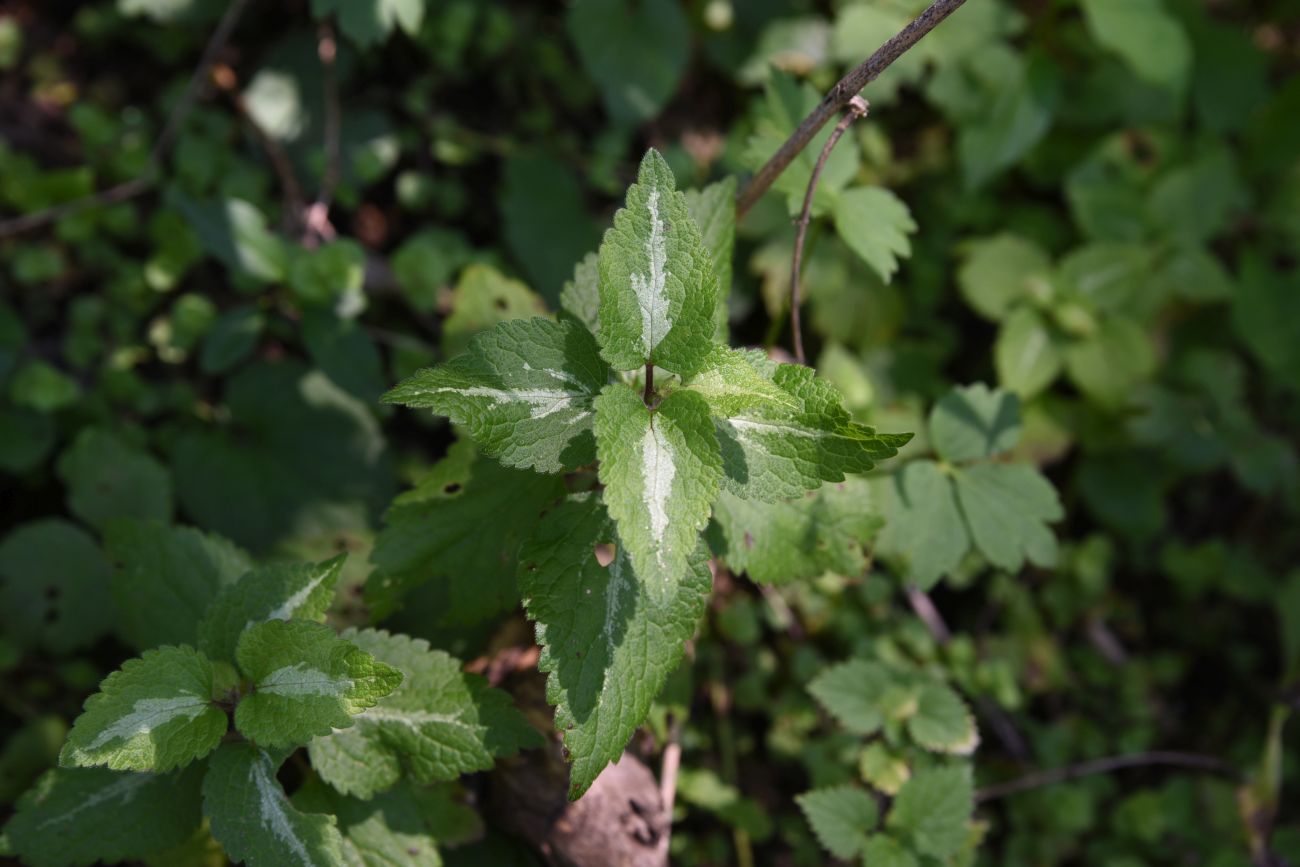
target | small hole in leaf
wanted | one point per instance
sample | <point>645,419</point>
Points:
<point>604,553</point>
<point>452,488</point>
<point>52,592</point>
<point>500,303</point>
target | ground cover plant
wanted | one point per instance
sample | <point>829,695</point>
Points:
<point>645,432</point>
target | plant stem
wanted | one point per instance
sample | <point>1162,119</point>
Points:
<point>1039,779</point>
<point>857,108</point>
<point>649,395</point>
<point>847,87</point>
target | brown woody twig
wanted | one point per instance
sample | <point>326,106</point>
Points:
<point>857,108</point>
<point>847,88</point>
<point>139,185</point>
<point>1192,761</point>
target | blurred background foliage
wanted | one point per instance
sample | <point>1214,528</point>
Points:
<point>1093,204</point>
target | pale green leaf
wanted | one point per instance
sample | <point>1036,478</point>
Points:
<point>78,816</point>
<point>736,380</point>
<point>235,232</point>
<point>661,471</point>
<point>256,823</point>
<point>524,391</point>
<point>1008,507</point>
<point>580,296</point>
<point>1142,32</point>
<point>657,284</point>
<point>924,529</point>
<point>974,422</point>
<point>485,297</point>
<point>770,453</point>
<point>1000,271</point>
<point>942,722</point>
<point>53,586</point>
<point>841,817</point>
<point>299,591</point>
<point>852,692</point>
<point>884,851</point>
<point>714,211</point>
<point>1110,364</point>
<point>932,810</point>
<point>166,579</point>
<point>1027,354</point>
<point>108,478</point>
<point>875,224</point>
<point>436,533</point>
<point>154,714</point>
<point>823,531</point>
<point>306,681</point>
<point>438,724</point>
<point>608,643</point>
<point>882,768</point>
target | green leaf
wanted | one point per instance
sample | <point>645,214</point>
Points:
<point>235,232</point>
<point>53,586</point>
<point>426,262</point>
<point>1017,115</point>
<point>942,722</point>
<point>438,724</point>
<point>875,224</point>
<point>823,531</point>
<point>1111,363</point>
<point>932,810</point>
<point>841,817</point>
<point>1150,41</point>
<point>232,338</point>
<point>299,591</point>
<point>166,579</point>
<point>736,380</point>
<point>88,815</point>
<point>714,211</point>
<point>485,297</point>
<point>344,352</point>
<point>608,642</point>
<point>1027,355</point>
<point>770,453</point>
<point>154,714</point>
<point>852,692</point>
<point>330,277</point>
<point>923,525</point>
<point>306,682</point>
<point>1000,271</point>
<point>1008,507</point>
<point>974,422</point>
<point>1266,318</point>
<point>108,478</point>
<point>635,52</point>
<point>402,826</point>
<point>661,472</point>
<point>26,438</point>
<point>435,532</point>
<point>580,296</point>
<point>369,22</point>
<point>41,386</point>
<point>524,391</point>
<point>254,821</point>
<point>884,851</point>
<point>657,285</point>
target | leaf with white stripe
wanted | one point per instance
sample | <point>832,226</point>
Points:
<point>523,391</point>
<point>255,822</point>
<point>306,682</point>
<point>774,453</point>
<point>658,289</point>
<point>154,714</point>
<point>661,471</point>
<point>734,381</point>
<point>87,815</point>
<point>299,591</point>
<point>608,644</point>
<point>438,724</point>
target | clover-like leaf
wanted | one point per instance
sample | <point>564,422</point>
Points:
<point>974,422</point>
<point>524,391</point>
<point>1008,507</point>
<point>875,224</point>
<point>924,528</point>
<point>438,724</point>
<point>92,815</point>
<point>154,714</point>
<point>298,591</point>
<point>658,289</point>
<point>255,822</point>
<point>306,682</point>
<point>608,643</point>
<point>661,471</point>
